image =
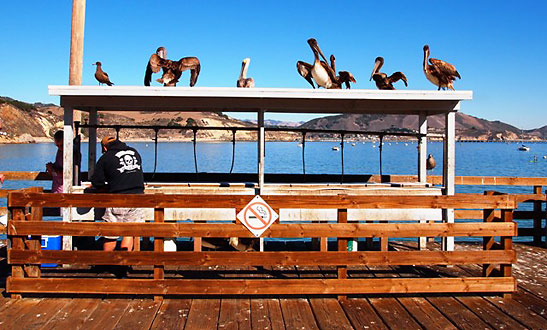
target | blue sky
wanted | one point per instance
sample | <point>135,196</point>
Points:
<point>499,47</point>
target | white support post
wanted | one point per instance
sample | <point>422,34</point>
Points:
<point>261,149</point>
<point>92,144</point>
<point>68,158</point>
<point>422,165</point>
<point>449,169</point>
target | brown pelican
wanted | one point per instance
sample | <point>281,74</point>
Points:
<point>323,75</point>
<point>344,77</point>
<point>382,80</point>
<point>430,163</point>
<point>172,70</point>
<point>243,81</point>
<point>101,76</point>
<point>439,73</point>
<point>153,65</point>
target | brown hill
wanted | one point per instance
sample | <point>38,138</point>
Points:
<point>467,127</point>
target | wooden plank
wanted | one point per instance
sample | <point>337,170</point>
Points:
<point>329,314</point>
<point>425,313</point>
<point>159,271</point>
<point>203,314</point>
<point>266,314</point>
<point>297,314</point>
<point>362,315</point>
<point>342,270</point>
<point>262,287</point>
<point>18,311</point>
<point>172,314</point>
<point>107,314</point>
<point>519,312</point>
<point>17,243</point>
<point>235,314</point>
<point>73,315</point>
<point>393,314</point>
<point>469,201</point>
<point>45,311</point>
<point>139,315</point>
<point>26,176</point>
<point>489,313</point>
<point>276,230</point>
<point>457,313</point>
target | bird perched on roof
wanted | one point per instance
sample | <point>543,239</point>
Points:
<point>172,70</point>
<point>430,163</point>
<point>101,76</point>
<point>243,81</point>
<point>439,73</point>
<point>344,77</point>
<point>321,72</point>
<point>382,80</point>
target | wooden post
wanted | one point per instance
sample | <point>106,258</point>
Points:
<point>537,218</point>
<point>77,45</point>
<point>342,217</point>
<point>68,158</point>
<point>92,144</point>
<point>507,245</point>
<point>159,216</point>
<point>489,241</point>
<point>35,241</point>
<point>422,164</point>
<point>17,243</point>
<point>449,164</point>
<point>261,150</point>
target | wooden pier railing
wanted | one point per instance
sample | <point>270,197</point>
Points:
<point>26,226</point>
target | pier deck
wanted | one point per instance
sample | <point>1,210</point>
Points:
<point>526,309</point>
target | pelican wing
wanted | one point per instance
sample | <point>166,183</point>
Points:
<point>304,69</point>
<point>187,63</point>
<point>346,77</point>
<point>396,76</point>
<point>153,66</point>
<point>445,68</point>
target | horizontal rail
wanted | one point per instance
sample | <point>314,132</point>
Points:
<point>21,228</point>
<point>469,201</point>
<point>309,258</point>
<point>259,286</point>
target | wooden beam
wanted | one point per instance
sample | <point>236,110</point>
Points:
<point>260,286</point>
<point>468,201</point>
<point>286,258</point>
<point>77,42</point>
<point>22,228</point>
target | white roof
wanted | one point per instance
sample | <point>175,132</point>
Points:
<point>290,100</point>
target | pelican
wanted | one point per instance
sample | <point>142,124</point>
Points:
<point>344,77</point>
<point>382,80</point>
<point>439,73</point>
<point>323,75</point>
<point>243,81</point>
<point>430,163</point>
<point>101,76</point>
<point>172,70</point>
<point>153,65</point>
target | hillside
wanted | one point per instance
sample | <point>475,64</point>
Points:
<point>467,127</point>
<point>24,123</point>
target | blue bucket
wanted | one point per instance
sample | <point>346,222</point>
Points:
<point>51,243</point>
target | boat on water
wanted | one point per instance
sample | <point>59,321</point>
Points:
<point>335,148</point>
<point>524,148</point>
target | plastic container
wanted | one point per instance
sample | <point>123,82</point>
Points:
<point>51,243</point>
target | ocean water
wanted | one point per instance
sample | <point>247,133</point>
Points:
<point>472,159</point>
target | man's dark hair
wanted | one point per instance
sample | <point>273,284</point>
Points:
<point>58,136</point>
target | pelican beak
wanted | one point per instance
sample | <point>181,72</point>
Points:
<point>352,79</point>
<point>321,53</point>
<point>375,69</point>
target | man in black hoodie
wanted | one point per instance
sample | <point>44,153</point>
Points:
<point>119,171</point>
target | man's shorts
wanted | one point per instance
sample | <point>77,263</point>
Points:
<point>122,214</point>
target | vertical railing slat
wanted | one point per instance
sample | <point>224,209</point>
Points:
<point>159,270</point>
<point>342,217</point>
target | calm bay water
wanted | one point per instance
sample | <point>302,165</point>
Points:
<point>488,159</point>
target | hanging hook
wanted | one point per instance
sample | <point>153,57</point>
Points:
<point>380,149</point>
<point>342,155</point>
<point>156,133</point>
<point>303,154</point>
<point>195,130</point>
<point>233,149</point>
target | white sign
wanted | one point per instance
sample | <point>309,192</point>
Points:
<point>257,216</point>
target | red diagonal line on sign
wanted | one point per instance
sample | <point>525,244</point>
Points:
<point>259,217</point>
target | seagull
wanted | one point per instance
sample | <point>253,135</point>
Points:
<point>101,76</point>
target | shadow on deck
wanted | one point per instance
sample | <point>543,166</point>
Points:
<point>526,309</point>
